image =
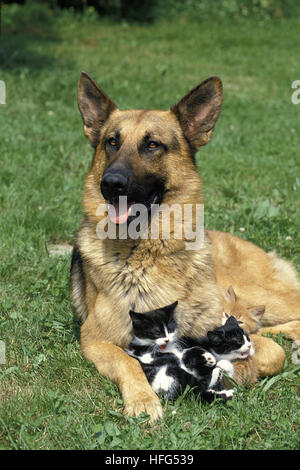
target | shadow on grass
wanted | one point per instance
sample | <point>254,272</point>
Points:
<point>25,34</point>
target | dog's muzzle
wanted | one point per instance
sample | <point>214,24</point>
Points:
<point>114,183</point>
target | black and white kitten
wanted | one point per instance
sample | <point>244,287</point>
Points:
<point>171,364</point>
<point>228,342</point>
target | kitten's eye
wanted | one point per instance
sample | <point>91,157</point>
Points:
<point>238,341</point>
<point>156,331</point>
<point>152,145</point>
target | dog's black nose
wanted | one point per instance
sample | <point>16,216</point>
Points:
<point>114,184</point>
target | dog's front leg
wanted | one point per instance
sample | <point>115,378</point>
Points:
<point>123,370</point>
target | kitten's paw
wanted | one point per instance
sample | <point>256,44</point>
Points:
<point>226,366</point>
<point>224,394</point>
<point>216,376</point>
<point>210,360</point>
<point>229,393</point>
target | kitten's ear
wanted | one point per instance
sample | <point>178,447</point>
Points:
<point>170,308</point>
<point>94,105</point>
<point>257,312</point>
<point>210,335</point>
<point>225,317</point>
<point>135,317</point>
<point>232,321</point>
<point>229,320</point>
<point>132,313</point>
<point>230,294</point>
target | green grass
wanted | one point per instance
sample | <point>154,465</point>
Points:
<point>50,396</point>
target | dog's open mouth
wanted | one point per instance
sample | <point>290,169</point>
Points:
<point>119,213</point>
<point>121,210</point>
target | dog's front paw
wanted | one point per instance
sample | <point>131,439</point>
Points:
<point>144,402</point>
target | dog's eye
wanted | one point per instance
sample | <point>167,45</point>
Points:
<point>153,145</point>
<point>112,142</point>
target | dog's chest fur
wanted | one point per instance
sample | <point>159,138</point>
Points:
<point>148,276</point>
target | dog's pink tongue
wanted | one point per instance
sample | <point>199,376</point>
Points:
<point>118,213</point>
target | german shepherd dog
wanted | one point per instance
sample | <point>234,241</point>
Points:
<point>148,156</point>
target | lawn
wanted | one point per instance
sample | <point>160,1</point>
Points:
<point>50,396</point>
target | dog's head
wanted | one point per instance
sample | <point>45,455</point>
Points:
<point>145,155</point>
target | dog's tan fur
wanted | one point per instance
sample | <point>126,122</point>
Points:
<point>259,278</point>
<point>110,277</point>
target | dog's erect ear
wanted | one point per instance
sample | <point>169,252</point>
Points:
<point>199,110</point>
<point>94,105</point>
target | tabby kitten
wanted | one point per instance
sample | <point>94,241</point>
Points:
<point>248,316</point>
